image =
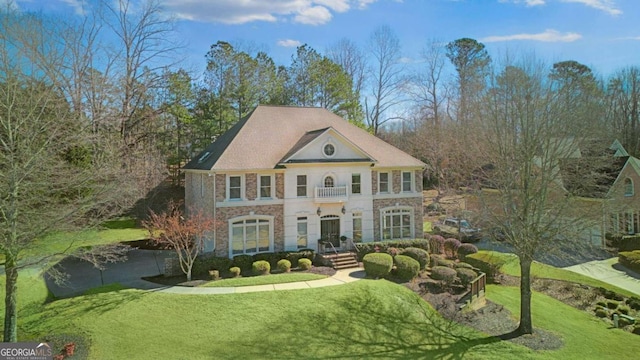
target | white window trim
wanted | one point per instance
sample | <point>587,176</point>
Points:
<point>389,182</point>
<point>306,186</point>
<point>412,224</point>
<point>335,149</point>
<point>356,215</point>
<point>299,221</point>
<point>250,217</point>
<point>625,187</point>
<point>242,187</point>
<point>273,187</point>
<point>351,190</point>
<point>411,184</point>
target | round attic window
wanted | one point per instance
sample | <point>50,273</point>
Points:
<point>329,150</point>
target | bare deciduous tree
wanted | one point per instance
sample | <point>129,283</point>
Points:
<point>185,236</point>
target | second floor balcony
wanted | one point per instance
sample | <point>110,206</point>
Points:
<point>334,194</point>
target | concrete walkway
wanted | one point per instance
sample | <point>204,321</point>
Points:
<point>341,277</point>
<point>611,272</point>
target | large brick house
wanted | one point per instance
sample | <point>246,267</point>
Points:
<point>284,178</point>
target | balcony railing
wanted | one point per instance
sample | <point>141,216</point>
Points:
<point>331,194</point>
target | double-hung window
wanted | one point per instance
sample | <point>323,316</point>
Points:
<point>266,186</point>
<point>355,184</point>
<point>301,186</point>
<point>383,182</point>
<point>234,187</point>
<point>407,181</point>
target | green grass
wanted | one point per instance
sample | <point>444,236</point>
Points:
<point>427,227</point>
<point>584,335</point>
<point>265,280</point>
<point>365,319</point>
<point>512,267</point>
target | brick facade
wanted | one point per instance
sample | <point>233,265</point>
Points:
<point>415,203</point>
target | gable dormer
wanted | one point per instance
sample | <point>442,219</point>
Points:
<point>325,146</point>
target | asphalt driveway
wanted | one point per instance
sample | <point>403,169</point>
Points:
<point>83,276</point>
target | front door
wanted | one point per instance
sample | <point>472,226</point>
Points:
<point>330,229</point>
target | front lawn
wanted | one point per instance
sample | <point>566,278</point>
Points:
<point>265,280</point>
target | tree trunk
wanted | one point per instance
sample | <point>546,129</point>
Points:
<point>10,299</point>
<point>189,273</point>
<point>526,326</point>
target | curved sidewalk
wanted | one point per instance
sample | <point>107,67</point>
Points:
<point>610,272</point>
<point>339,278</point>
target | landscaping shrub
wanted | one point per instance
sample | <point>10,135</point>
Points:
<point>629,243</point>
<point>244,262</point>
<point>304,264</point>
<point>235,271</point>
<point>611,304</point>
<point>261,267</point>
<point>419,255</point>
<point>463,265</point>
<point>612,295</point>
<point>406,267</point>
<point>377,265</point>
<point>394,251</point>
<point>479,261</point>
<point>219,263</point>
<point>634,303</point>
<point>601,303</point>
<point>630,259</point>
<point>466,275</point>
<point>436,244</point>
<point>602,313</point>
<point>636,330</point>
<point>445,262</point>
<point>622,309</point>
<point>370,247</point>
<point>451,246</point>
<point>284,265</point>
<point>434,258</point>
<point>444,274</point>
<point>466,249</point>
<point>622,322</point>
<point>307,253</point>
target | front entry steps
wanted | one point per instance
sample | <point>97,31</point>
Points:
<point>342,260</point>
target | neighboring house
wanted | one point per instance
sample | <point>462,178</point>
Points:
<point>283,178</point>
<point>605,204</point>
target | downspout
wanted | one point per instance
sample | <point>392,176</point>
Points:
<point>215,235</point>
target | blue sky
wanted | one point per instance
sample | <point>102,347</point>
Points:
<point>603,34</point>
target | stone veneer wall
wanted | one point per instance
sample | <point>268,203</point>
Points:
<point>251,186</point>
<point>397,181</point>
<point>418,179</point>
<point>225,213</point>
<point>374,182</point>
<point>415,203</point>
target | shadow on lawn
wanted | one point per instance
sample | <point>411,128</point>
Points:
<point>367,327</point>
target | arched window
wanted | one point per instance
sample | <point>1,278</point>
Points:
<point>250,234</point>
<point>329,181</point>
<point>628,187</point>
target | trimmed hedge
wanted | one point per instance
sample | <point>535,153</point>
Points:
<point>377,265</point>
<point>629,243</point>
<point>436,244</point>
<point>394,251</point>
<point>451,246</point>
<point>235,271</point>
<point>442,273</point>
<point>261,267</point>
<point>370,247</point>
<point>407,268</point>
<point>304,264</point>
<point>466,275</point>
<point>284,265</point>
<point>244,262</point>
<point>491,269</point>
<point>466,249</point>
<point>419,255</point>
<point>630,259</point>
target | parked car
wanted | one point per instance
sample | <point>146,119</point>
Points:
<point>454,227</point>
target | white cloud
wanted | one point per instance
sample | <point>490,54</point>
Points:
<point>289,43</point>
<point>79,6</point>
<point>527,2</point>
<point>316,15</point>
<point>310,12</point>
<point>607,6</point>
<point>548,35</point>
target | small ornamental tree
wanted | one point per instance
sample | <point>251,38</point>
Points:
<point>172,230</point>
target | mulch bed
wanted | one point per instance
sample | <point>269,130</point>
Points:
<point>492,319</point>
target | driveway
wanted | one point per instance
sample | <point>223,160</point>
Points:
<point>610,272</point>
<point>82,276</point>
